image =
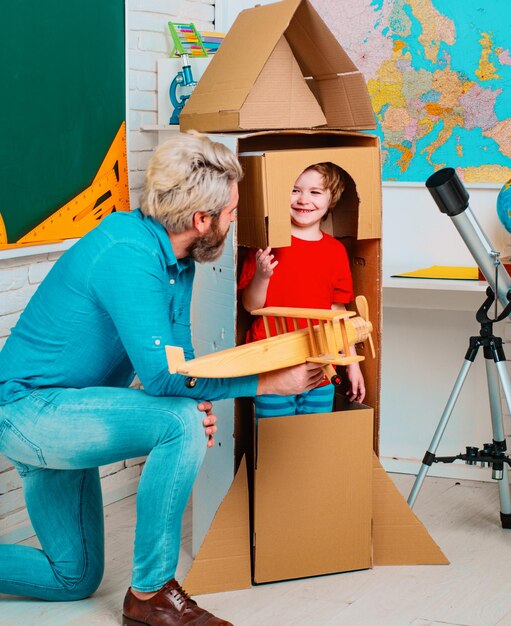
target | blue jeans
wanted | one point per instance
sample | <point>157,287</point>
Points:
<point>57,438</point>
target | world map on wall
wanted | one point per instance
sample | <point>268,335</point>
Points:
<point>439,77</point>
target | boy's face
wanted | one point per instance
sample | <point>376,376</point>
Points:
<point>310,201</point>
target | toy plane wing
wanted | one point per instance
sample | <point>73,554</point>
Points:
<point>297,313</point>
<point>326,340</point>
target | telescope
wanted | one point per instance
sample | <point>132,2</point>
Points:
<point>452,199</point>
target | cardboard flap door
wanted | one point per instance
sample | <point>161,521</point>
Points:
<point>251,220</point>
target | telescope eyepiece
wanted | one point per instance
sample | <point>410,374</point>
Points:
<point>448,191</point>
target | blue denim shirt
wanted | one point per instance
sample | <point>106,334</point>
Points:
<point>106,310</point>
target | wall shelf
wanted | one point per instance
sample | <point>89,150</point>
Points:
<point>428,293</point>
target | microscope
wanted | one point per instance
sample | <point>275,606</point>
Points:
<point>187,43</point>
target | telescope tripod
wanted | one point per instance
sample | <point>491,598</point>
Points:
<point>492,454</point>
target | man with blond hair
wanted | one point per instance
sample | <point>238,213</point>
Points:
<point>105,311</point>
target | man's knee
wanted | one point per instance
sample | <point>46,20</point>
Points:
<point>185,424</point>
<point>81,587</point>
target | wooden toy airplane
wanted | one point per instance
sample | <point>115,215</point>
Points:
<point>327,342</point>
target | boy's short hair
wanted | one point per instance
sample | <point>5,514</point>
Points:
<point>333,180</point>
<point>186,174</point>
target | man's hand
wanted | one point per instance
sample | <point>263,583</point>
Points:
<point>209,422</point>
<point>291,380</point>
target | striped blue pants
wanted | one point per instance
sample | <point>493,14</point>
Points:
<point>318,400</point>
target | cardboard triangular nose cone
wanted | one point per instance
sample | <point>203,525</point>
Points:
<point>291,103</point>
<point>253,52</point>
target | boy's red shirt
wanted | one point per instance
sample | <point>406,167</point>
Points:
<point>310,274</point>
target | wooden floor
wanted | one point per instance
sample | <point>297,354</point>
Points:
<point>475,590</point>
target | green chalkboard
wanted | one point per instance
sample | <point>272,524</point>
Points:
<point>62,101</point>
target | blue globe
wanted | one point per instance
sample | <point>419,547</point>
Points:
<point>504,206</point>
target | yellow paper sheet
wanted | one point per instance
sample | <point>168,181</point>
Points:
<point>448,272</point>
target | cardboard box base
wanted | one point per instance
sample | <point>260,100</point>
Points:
<point>312,495</point>
<point>223,561</point>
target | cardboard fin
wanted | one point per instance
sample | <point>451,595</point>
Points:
<point>223,561</point>
<point>280,97</point>
<point>399,537</point>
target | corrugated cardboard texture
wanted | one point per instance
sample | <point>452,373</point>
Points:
<point>312,495</point>
<point>399,537</point>
<point>252,50</point>
<point>280,97</point>
<point>344,101</point>
<point>358,213</point>
<point>223,561</point>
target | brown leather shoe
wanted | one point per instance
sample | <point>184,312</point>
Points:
<point>170,606</point>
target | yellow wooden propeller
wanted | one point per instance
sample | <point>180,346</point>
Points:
<point>363,311</point>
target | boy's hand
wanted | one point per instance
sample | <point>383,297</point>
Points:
<point>265,263</point>
<point>357,390</point>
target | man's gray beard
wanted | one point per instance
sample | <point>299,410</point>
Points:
<point>210,246</point>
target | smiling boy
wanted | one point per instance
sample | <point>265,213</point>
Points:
<point>313,272</point>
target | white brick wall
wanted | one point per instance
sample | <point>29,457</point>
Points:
<point>147,40</point>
